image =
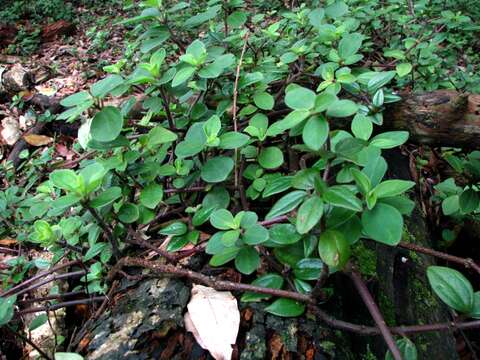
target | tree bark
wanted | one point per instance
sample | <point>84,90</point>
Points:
<point>438,118</point>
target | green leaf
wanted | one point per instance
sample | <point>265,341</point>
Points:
<point>37,322</point>
<point>76,99</point>
<point>333,248</point>
<point>176,228</point>
<point>106,197</point>
<point>272,281</point>
<point>177,243</point>
<point>247,260</point>
<point>300,98</point>
<point>216,169</point>
<point>106,124</point>
<point>391,188</point>
<point>341,196</point>
<point>222,219</point>
<point>128,213</point>
<point>288,122</point>
<point>232,140</point>
<point>67,356</point>
<point>6,309</point>
<point>383,223</point>
<point>469,201</point>
<point>227,255</point>
<point>379,80</point>
<point>94,250</point>
<point>151,195</point>
<point>237,18</point>
<point>362,180</point>
<point>284,234</point>
<point>403,69</point>
<point>452,287</point>
<point>286,204</point>
<point>285,308</point>
<point>315,132</point>
<point>264,100</point>
<point>349,45</point>
<point>101,88</point>
<point>183,75</point>
<point>451,205</point>
<point>309,214</point>
<point>475,313</point>
<point>390,139</point>
<point>255,234</point>
<point>362,127</point>
<point>342,108</point>
<point>407,349</point>
<point>315,17</point>
<point>66,179</point>
<point>159,135</point>
<point>270,157</point>
<point>277,185</point>
<point>308,269</point>
<point>336,9</point>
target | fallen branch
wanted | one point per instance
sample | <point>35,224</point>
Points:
<point>169,270</point>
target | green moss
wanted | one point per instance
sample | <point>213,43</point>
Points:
<point>387,308</point>
<point>366,259</point>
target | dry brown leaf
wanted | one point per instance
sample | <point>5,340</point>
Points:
<point>213,319</point>
<point>7,242</point>
<point>38,140</point>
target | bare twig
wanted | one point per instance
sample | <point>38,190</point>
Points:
<point>37,277</point>
<point>170,270</point>
<point>139,241</point>
<point>235,96</point>
<point>467,262</point>
<point>54,277</point>
<point>375,312</point>
<point>61,305</point>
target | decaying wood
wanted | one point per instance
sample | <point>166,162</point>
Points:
<point>15,79</point>
<point>7,34</point>
<point>51,31</point>
<point>440,118</point>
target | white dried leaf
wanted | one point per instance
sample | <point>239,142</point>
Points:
<point>213,319</point>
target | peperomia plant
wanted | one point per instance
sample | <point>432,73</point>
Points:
<point>242,115</point>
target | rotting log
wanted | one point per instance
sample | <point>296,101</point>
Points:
<point>403,292</point>
<point>438,118</point>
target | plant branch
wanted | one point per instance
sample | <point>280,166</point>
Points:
<point>50,279</point>
<point>235,96</point>
<point>375,312</point>
<point>467,262</point>
<point>162,269</point>
<point>61,305</point>
<point>106,229</point>
<point>38,276</point>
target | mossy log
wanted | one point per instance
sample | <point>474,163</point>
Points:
<point>403,292</point>
<point>440,118</point>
